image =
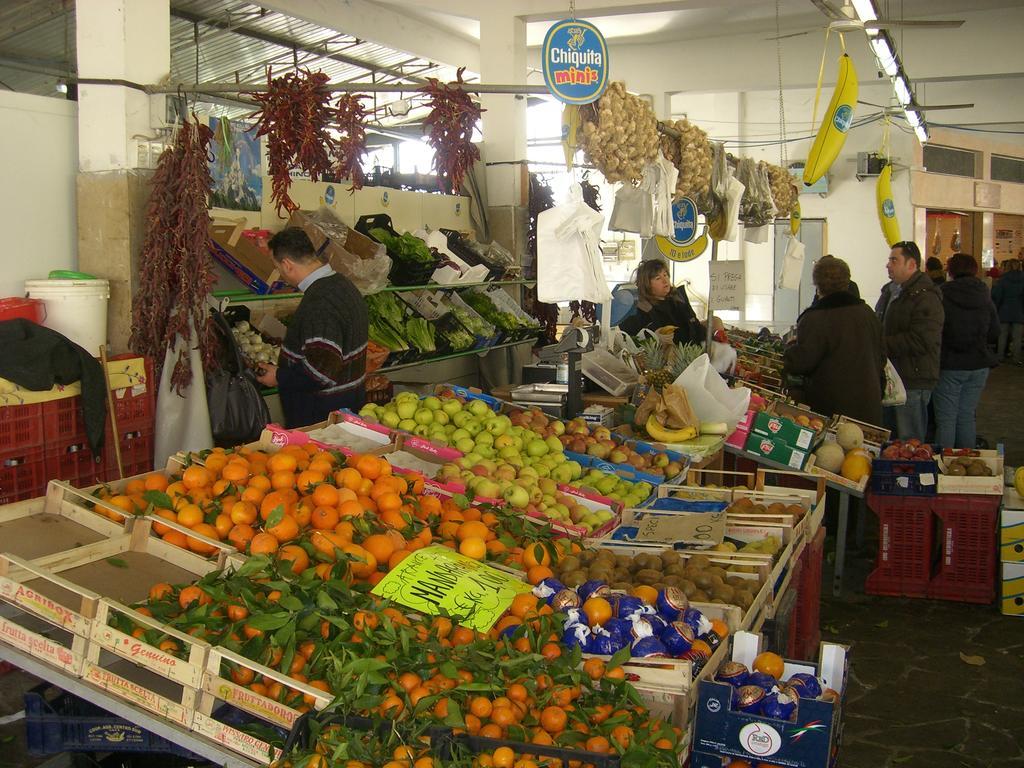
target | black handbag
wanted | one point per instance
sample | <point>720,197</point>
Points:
<point>238,412</point>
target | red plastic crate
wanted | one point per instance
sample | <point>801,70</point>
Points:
<point>21,427</point>
<point>23,474</point>
<point>808,607</point>
<point>967,548</point>
<point>136,454</point>
<point>905,533</point>
<point>73,462</point>
<point>63,418</point>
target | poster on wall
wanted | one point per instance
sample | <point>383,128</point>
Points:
<point>235,167</point>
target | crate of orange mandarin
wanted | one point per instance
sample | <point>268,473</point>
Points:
<point>301,502</point>
<point>299,642</point>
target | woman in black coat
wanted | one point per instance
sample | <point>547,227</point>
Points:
<point>659,305</point>
<point>838,349</point>
<point>971,324</point>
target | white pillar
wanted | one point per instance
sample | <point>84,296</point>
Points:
<point>125,40</point>
<point>503,60</point>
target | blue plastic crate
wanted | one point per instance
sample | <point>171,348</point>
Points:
<point>904,477</point>
<point>69,724</point>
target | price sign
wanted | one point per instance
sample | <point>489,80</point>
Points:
<point>682,527</point>
<point>435,578</point>
<point>728,289</point>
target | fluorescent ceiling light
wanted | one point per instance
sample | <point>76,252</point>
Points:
<point>865,10</point>
<point>913,118</point>
<point>903,96</point>
<point>886,58</point>
<point>922,134</point>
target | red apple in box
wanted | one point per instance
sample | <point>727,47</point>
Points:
<point>914,442</point>
<point>923,454</point>
<point>908,451</point>
<point>892,452</point>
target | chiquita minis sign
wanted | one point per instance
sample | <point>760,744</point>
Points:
<point>575,61</point>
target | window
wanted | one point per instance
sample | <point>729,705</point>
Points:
<point>950,161</point>
<point>1005,168</point>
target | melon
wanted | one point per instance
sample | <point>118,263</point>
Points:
<point>829,457</point>
<point>849,436</point>
<point>856,467</point>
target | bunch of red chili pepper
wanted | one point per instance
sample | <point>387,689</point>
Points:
<point>351,147</point>
<point>175,272</point>
<point>451,122</point>
<point>295,115</point>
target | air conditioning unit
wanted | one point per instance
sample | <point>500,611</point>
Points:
<point>869,164</point>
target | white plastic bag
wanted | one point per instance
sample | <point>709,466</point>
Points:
<point>666,177</point>
<point>733,195</point>
<point>709,395</point>
<point>792,265</point>
<point>895,392</point>
<point>569,253</point>
<point>723,357</point>
<point>633,211</point>
<point>756,235</point>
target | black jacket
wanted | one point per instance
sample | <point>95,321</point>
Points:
<point>674,310</point>
<point>36,358</point>
<point>839,350</point>
<point>912,330</point>
<point>1008,295</point>
<point>323,357</point>
<point>971,324</point>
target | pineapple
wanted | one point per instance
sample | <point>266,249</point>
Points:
<point>683,355</point>
<point>655,363</point>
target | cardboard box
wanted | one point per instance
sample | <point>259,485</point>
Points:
<point>1012,597</point>
<point>343,246</point>
<point>781,429</point>
<point>776,450</point>
<point>245,257</point>
<point>598,415</point>
<point>1011,536</point>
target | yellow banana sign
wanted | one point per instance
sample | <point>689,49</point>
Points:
<point>834,125</point>
<point>794,220</point>
<point>886,208</point>
<point>689,252</point>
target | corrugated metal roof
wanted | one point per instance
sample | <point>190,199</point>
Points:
<point>236,41</point>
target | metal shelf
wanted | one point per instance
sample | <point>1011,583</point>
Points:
<point>193,742</point>
<point>247,296</point>
<point>429,360</point>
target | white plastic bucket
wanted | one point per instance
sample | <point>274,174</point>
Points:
<point>75,308</point>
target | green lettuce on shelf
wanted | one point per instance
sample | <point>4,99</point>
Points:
<point>420,334</point>
<point>483,306</point>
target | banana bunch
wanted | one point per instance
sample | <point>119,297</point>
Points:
<point>665,435</point>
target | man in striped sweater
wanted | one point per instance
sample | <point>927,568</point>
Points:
<point>322,366</point>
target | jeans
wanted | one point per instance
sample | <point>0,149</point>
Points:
<point>1013,331</point>
<point>956,399</point>
<point>910,420</point>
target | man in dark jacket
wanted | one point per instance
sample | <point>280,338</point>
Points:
<point>839,349</point>
<point>912,316</point>
<point>1008,295</point>
<point>323,357</point>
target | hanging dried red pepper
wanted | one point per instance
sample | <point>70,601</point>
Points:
<point>175,271</point>
<point>351,147</point>
<point>295,114</point>
<point>451,122</point>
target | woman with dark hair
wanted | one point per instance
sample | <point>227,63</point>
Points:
<point>971,324</point>
<point>658,305</point>
<point>838,349</point>
<point>933,267</point>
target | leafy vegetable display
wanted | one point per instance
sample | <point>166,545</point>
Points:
<point>453,334</point>
<point>472,321</point>
<point>387,320</point>
<point>420,334</point>
<point>483,306</point>
<point>405,247</point>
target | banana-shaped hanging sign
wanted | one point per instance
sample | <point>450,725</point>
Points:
<point>834,125</point>
<point>794,220</point>
<point>886,208</point>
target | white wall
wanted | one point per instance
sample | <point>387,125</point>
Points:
<point>39,158</point>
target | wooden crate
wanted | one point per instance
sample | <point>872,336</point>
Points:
<point>243,743</point>
<point>217,689</point>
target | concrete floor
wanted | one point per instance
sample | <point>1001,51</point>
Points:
<point>912,701</point>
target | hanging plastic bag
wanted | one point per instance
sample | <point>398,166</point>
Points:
<point>756,235</point>
<point>727,225</point>
<point>633,211</point>
<point>895,392</point>
<point>792,265</point>
<point>569,253</point>
<point>709,395</point>
<point>723,358</point>
<point>666,177</point>
<point>712,205</point>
